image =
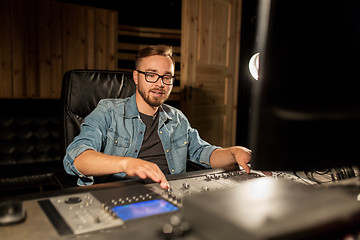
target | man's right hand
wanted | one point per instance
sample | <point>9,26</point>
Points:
<point>93,163</point>
<point>143,169</point>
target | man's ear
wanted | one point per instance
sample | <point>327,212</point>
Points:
<point>135,77</point>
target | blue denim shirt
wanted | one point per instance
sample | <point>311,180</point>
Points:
<point>115,128</point>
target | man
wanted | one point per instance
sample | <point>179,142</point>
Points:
<point>141,136</point>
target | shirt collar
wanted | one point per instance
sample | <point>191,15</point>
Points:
<point>131,110</point>
<point>163,111</point>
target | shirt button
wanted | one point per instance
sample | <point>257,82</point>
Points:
<point>136,151</point>
<point>172,170</point>
<point>160,132</point>
<point>140,132</point>
<point>167,150</point>
<point>116,141</point>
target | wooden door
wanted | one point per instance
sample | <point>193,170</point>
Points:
<point>210,42</point>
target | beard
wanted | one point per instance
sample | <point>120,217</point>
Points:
<point>152,100</point>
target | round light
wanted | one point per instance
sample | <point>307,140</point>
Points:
<point>254,66</point>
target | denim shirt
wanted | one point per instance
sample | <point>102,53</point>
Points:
<point>114,127</point>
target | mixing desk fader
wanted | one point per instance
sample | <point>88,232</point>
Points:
<point>201,183</point>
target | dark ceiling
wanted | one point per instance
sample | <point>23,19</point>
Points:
<point>145,13</point>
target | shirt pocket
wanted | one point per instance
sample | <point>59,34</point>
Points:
<point>117,140</point>
<point>181,142</point>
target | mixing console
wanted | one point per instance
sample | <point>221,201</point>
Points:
<point>97,210</point>
<point>107,208</point>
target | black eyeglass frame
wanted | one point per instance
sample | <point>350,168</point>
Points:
<point>159,76</point>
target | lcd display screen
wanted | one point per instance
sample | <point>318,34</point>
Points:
<point>143,209</point>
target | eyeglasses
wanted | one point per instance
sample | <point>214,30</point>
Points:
<point>151,77</point>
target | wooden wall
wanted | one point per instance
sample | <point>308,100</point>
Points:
<point>41,39</point>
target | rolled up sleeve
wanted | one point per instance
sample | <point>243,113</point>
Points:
<point>200,150</point>
<point>91,137</point>
<point>72,170</point>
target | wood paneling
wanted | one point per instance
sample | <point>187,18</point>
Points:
<point>209,58</point>
<point>42,39</point>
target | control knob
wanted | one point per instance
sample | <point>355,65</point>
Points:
<point>73,200</point>
<point>186,185</point>
<point>205,188</point>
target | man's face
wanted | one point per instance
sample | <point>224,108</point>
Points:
<point>154,94</point>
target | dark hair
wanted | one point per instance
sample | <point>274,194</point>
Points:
<point>161,50</point>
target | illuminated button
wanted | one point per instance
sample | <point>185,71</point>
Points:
<point>167,150</point>
<point>172,170</point>
<point>185,143</point>
<point>160,132</point>
<point>116,141</point>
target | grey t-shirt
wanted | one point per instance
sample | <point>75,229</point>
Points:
<point>152,149</point>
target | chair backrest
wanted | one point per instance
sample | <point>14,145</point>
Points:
<point>81,92</point>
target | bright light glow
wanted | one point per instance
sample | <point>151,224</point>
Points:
<point>254,66</point>
<point>260,190</point>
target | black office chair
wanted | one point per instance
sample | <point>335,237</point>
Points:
<point>81,92</point>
